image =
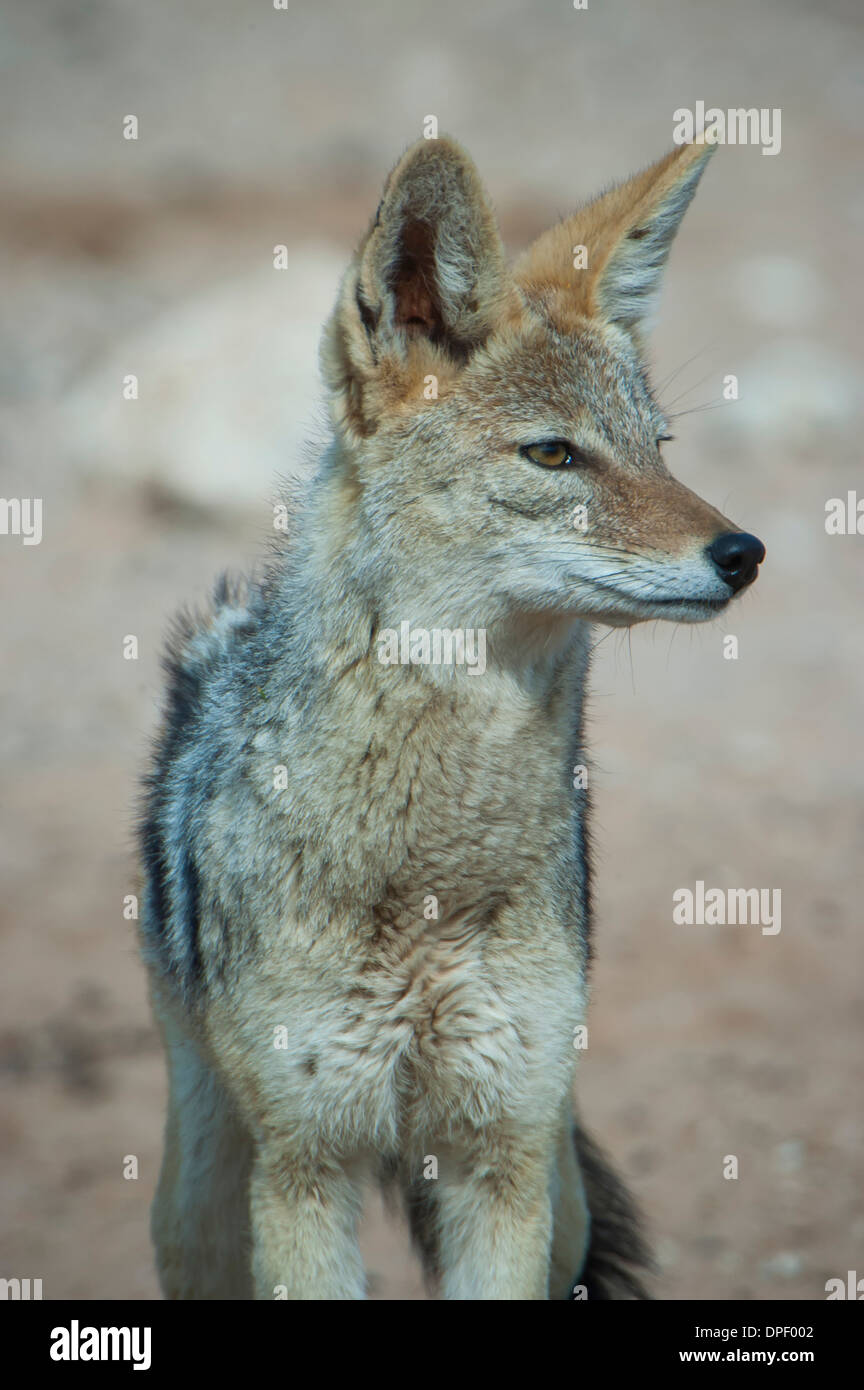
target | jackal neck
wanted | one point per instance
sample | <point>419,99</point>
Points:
<point>354,602</point>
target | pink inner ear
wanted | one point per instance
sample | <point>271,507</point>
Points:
<point>417,308</point>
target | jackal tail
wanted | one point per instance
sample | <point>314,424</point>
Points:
<point>618,1256</point>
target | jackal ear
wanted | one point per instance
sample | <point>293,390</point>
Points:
<point>431,272</point>
<point>607,260</point>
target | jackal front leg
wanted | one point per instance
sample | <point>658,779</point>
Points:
<point>304,1228</point>
<point>494,1213</point>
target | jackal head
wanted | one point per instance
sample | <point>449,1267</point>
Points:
<point>499,447</point>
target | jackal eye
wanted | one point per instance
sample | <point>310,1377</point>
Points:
<point>664,439</point>
<point>553,453</point>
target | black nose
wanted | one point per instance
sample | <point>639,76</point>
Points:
<point>737,556</point>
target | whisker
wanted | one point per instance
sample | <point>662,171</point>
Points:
<point>667,381</point>
<point>697,409</point>
<point>687,389</point>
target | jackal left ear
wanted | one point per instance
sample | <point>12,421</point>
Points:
<point>607,260</point>
<point>430,271</point>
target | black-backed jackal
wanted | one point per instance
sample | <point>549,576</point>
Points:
<point>366,911</point>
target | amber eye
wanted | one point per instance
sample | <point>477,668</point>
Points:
<point>554,454</point>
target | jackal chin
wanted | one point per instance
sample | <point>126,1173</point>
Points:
<point>628,612</point>
<point>684,610</point>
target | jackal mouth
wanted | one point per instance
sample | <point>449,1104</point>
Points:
<point>715,605</point>
<point>629,607</point>
<point>661,601</point>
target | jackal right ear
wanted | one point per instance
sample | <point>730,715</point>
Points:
<point>429,282</point>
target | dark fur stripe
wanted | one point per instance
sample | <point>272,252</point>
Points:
<point>153,859</point>
<point>189,916</point>
<point>179,908</point>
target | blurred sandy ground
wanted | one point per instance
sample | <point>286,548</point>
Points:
<point>260,127</point>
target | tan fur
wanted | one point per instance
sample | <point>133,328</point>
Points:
<point>304,912</point>
<point>604,228</point>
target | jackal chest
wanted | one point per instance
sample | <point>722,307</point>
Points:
<point>436,1027</point>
